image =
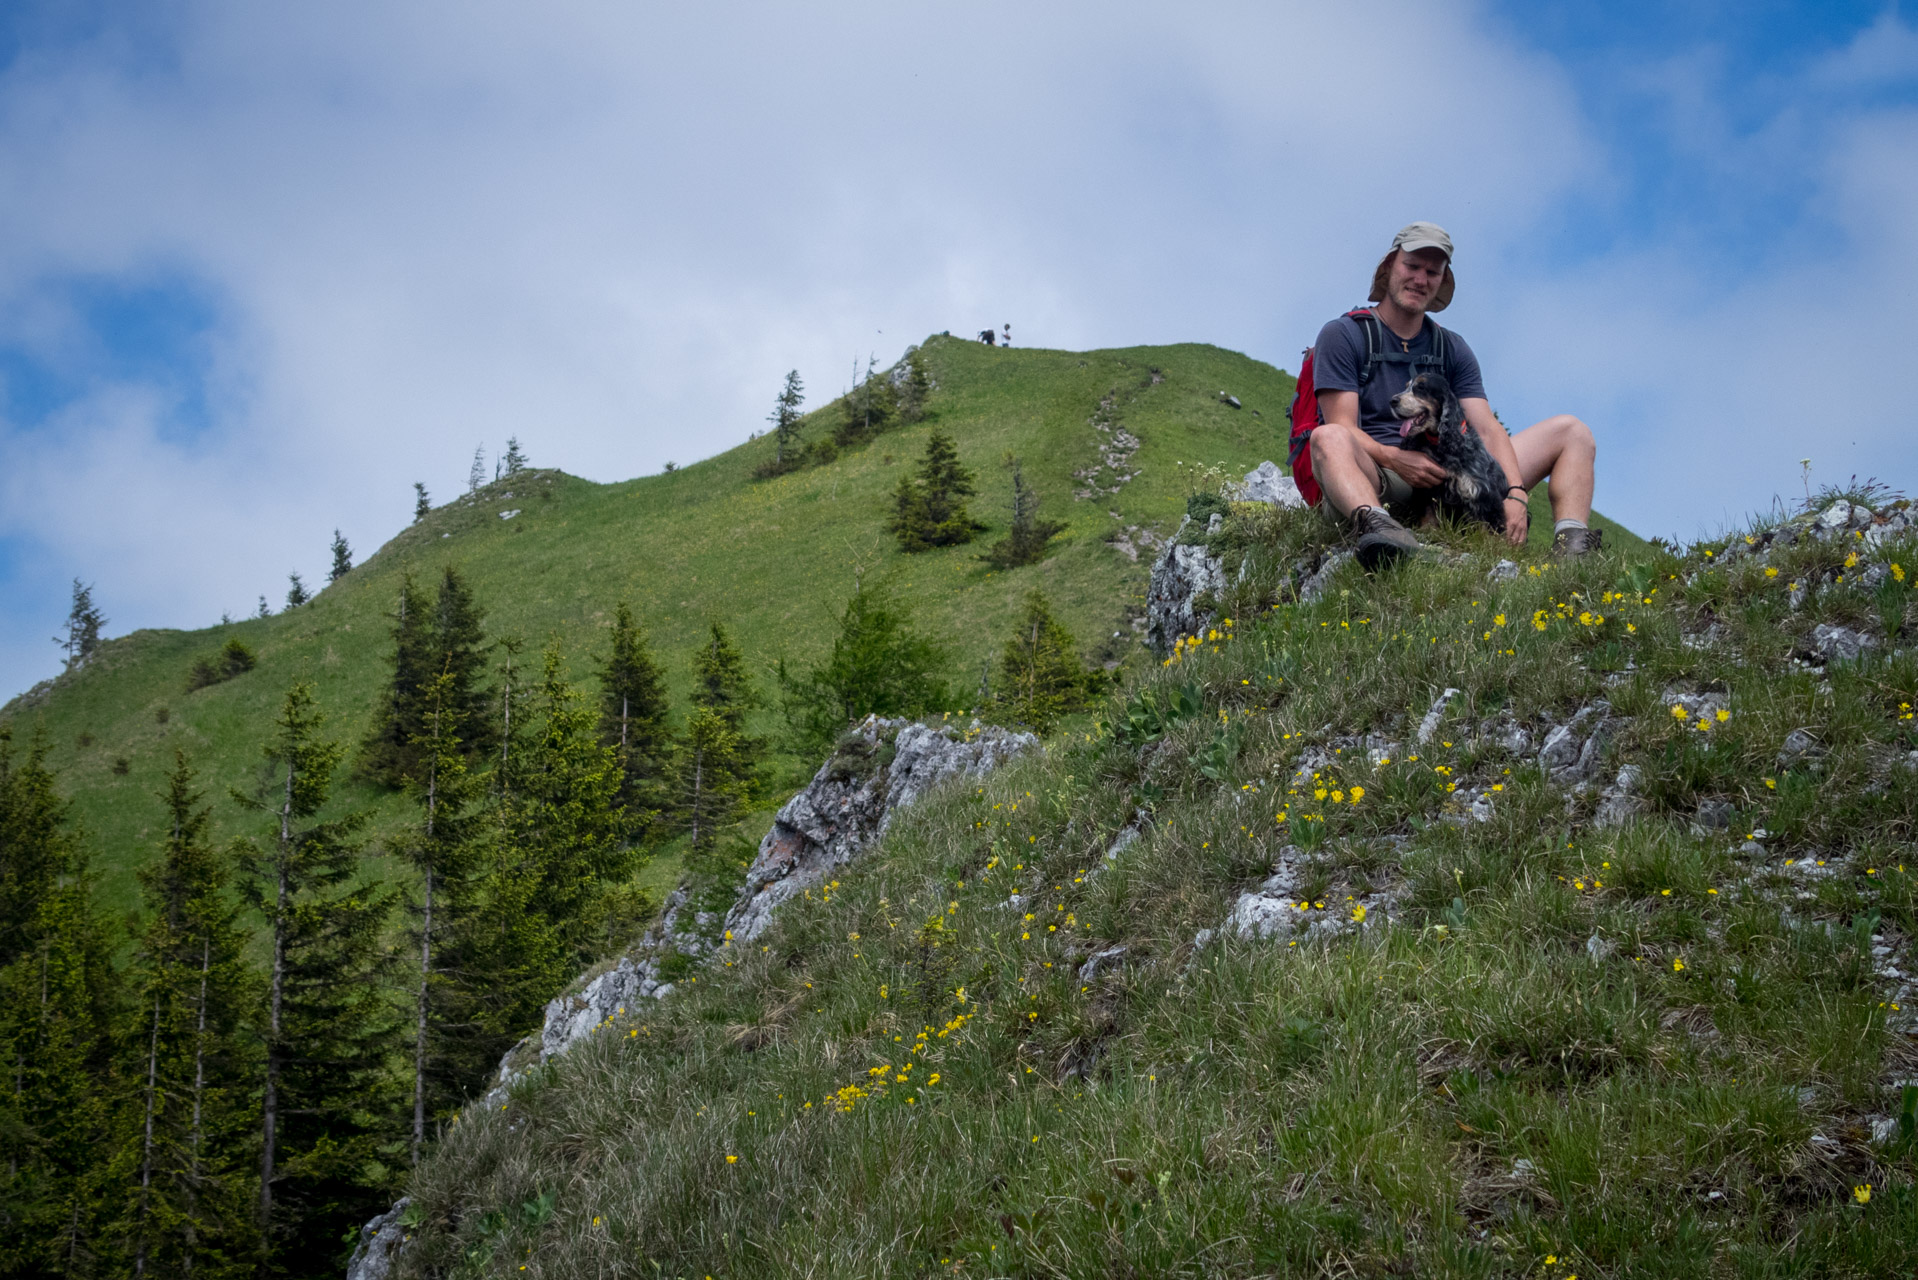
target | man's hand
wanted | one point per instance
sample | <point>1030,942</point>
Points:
<point>1418,468</point>
<point>1518,519</point>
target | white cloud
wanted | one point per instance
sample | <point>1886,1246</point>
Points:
<point>610,229</point>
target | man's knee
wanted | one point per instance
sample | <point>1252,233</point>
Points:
<point>1331,437</point>
<point>1572,433</point>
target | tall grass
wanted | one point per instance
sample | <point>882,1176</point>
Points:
<point>1647,1050</point>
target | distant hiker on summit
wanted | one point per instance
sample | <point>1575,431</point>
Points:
<point>1368,446</point>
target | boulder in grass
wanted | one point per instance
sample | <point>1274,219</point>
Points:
<point>1266,483</point>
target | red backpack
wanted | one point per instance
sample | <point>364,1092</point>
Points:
<point>1304,412</point>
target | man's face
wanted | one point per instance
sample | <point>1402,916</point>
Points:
<point>1415,278</point>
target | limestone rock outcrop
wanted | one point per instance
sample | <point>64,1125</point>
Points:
<point>1183,578</point>
<point>879,768</point>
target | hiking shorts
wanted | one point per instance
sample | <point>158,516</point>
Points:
<point>1395,492</point>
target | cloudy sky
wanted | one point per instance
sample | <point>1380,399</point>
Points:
<point>264,266</point>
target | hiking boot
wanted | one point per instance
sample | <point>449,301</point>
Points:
<point>1382,540</point>
<point>1576,542</point>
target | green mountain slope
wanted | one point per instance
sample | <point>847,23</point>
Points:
<point>1589,965</point>
<point>773,559</point>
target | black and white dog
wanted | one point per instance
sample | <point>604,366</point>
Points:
<point>1431,421</point>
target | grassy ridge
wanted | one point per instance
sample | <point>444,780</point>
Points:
<point>1646,1050</point>
<point>773,559</point>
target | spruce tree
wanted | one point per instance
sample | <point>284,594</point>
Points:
<point>785,418</point>
<point>38,848</point>
<point>325,1028</point>
<point>84,621</point>
<point>1040,676</point>
<point>476,474</point>
<point>445,638</point>
<point>342,558</point>
<point>422,505</point>
<point>929,509</point>
<point>562,841</point>
<point>915,392</point>
<point>448,850</point>
<point>513,461</point>
<point>714,776</point>
<point>296,594</point>
<point>265,609</point>
<point>1025,542</point>
<point>57,1005</point>
<point>880,665</point>
<point>633,719</point>
<point>460,638</point>
<point>718,760</point>
<point>387,754</point>
<point>183,1171</point>
<point>867,409</point>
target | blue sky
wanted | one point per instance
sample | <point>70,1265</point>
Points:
<point>261,269</point>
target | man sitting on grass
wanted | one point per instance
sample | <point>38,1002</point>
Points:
<point>1356,459</point>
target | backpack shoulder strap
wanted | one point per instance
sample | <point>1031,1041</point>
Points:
<point>1368,323</point>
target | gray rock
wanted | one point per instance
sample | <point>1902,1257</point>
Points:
<point>1503,571</point>
<point>1435,716</point>
<point>1698,706</point>
<point>1619,803</point>
<point>841,812</point>
<point>1504,732</point>
<point>1179,577</point>
<point>1715,815</point>
<point>379,1245</point>
<point>1840,644</point>
<point>508,515</point>
<point>1560,749</point>
<point>1271,912</point>
<point>1106,959</point>
<point>1570,751</point>
<point>1230,400</point>
<point>1127,837</point>
<point>1799,746</point>
<point>1600,948</point>
<point>1311,760</point>
<point>1894,525</point>
<point>1316,582</point>
<point>573,1017</point>
<point>1266,483</point>
<point>1841,517</point>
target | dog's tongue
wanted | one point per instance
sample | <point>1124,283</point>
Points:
<point>1405,427</point>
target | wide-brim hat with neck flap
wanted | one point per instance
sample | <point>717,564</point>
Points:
<point>1418,235</point>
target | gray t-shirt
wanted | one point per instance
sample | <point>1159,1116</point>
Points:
<point>1339,354</point>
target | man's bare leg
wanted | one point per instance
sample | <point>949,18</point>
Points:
<point>1561,447</point>
<point>1343,469</point>
<point>1350,480</point>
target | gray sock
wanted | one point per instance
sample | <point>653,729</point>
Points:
<point>1563,525</point>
